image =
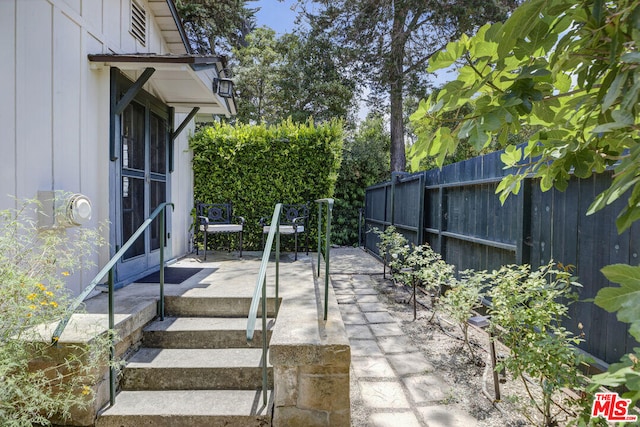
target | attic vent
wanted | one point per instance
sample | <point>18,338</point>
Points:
<point>138,22</point>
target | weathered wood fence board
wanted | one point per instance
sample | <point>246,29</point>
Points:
<point>456,211</point>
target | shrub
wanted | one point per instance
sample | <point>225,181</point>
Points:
<point>463,297</point>
<point>33,266</point>
<point>365,161</point>
<point>257,166</point>
<point>527,309</point>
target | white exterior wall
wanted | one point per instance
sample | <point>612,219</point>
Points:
<point>54,114</point>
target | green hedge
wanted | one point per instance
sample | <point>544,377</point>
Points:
<point>257,166</point>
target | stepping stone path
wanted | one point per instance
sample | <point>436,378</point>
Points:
<point>394,381</point>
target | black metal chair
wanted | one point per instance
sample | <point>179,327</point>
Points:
<point>218,218</point>
<point>293,220</point>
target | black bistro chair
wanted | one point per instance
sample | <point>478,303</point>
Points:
<point>218,218</point>
<point>293,220</point>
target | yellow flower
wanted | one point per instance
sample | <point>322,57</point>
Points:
<point>32,307</point>
<point>65,273</point>
<point>53,304</point>
<point>86,390</point>
<point>43,303</point>
<point>42,287</point>
<point>49,293</point>
<point>28,314</point>
<point>31,297</point>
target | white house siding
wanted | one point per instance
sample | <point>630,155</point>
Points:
<point>182,190</point>
<point>54,114</point>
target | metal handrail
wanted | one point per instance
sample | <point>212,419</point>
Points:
<point>327,250</point>
<point>260,293</point>
<point>108,269</point>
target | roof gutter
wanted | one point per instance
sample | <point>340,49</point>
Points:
<point>178,21</point>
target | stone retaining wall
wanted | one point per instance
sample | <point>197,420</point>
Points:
<point>310,358</point>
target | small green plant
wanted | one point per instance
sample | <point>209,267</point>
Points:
<point>411,264</point>
<point>34,264</point>
<point>428,269</point>
<point>462,298</point>
<point>393,247</point>
<point>526,314</point>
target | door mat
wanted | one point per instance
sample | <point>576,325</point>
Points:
<point>172,275</point>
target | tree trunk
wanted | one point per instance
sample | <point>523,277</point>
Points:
<point>396,79</point>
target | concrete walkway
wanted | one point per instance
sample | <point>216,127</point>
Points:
<point>393,384</point>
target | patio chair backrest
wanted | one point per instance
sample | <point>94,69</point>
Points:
<point>217,213</point>
<point>292,211</point>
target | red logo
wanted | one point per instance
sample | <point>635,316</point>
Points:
<point>612,407</point>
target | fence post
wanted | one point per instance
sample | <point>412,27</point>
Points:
<point>523,243</point>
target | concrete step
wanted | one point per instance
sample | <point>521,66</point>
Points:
<point>195,369</point>
<point>203,332</point>
<point>189,408</point>
<point>204,306</point>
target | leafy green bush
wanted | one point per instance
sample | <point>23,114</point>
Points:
<point>257,166</point>
<point>527,309</point>
<point>414,264</point>
<point>34,385</point>
<point>463,297</point>
<point>365,161</point>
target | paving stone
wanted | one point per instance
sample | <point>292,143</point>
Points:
<point>341,281</point>
<point>372,306</point>
<point>372,367</point>
<point>349,309</point>
<point>346,299</point>
<point>386,329</point>
<point>344,291</point>
<point>427,388</point>
<point>383,394</point>
<point>360,281</point>
<point>393,419</point>
<point>354,319</point>
<point>378,317</point>
<point>365,291</point>
<point>359,332</point>
<point>396,344</point>
<point>367,298</point>
<point>410,363</point>
<point>446,416</point>
<point>365,348</point>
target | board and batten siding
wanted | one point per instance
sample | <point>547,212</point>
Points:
<point>54,114</point>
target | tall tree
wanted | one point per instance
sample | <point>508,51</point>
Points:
<point>295,76</point>
<point>387,43</point>
<point>255,68</point>
<point>216,26</point>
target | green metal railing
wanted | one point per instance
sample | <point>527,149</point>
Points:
<point>327,249</point>
<point>108,269</point>
<point>260,293</point>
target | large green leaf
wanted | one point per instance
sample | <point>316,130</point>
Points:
<point>625,299</point>
<point>519,24</point>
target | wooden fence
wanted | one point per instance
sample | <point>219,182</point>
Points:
<point>456,211</point>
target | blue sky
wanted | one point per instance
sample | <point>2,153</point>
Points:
<point>275,14</point>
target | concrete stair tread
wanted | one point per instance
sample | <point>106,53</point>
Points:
<point>180,324</point>
<point>188,403</point>
<point>195,358</point>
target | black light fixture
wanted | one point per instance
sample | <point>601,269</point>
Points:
<point>223,87</point>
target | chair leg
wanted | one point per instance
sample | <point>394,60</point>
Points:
<point>205,245</point>
<point>296,239</point>
<point>240,238</point>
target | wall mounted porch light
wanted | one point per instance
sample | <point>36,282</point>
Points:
<point>223,87</point>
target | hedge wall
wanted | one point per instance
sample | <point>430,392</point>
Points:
<point>257,166</point>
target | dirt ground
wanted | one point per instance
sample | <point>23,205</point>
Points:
<point>470,377</point>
